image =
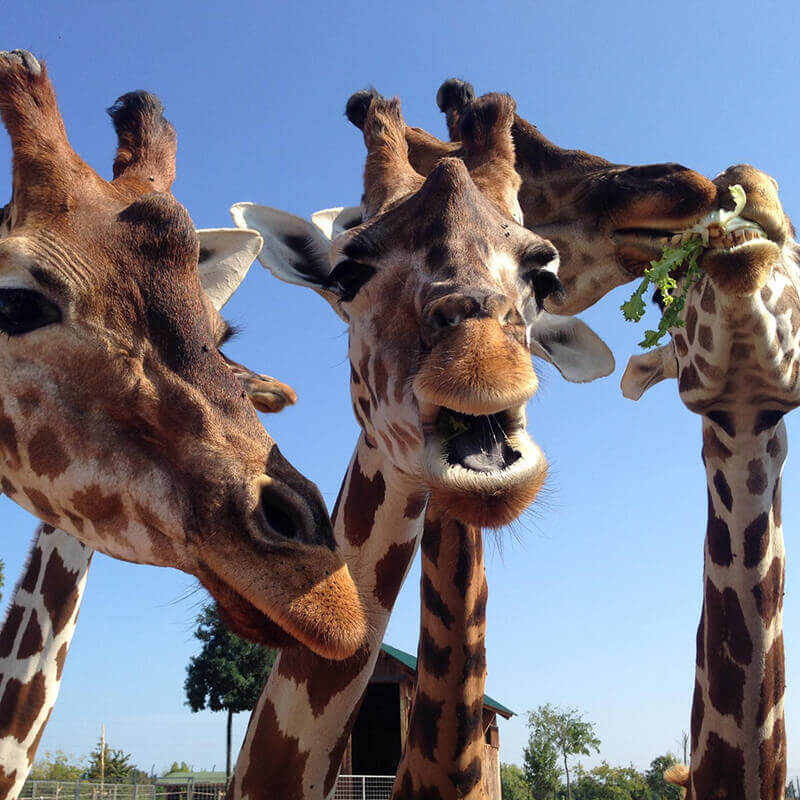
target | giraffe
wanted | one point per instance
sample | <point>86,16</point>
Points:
<point>156,457</point>
<point>440,289</point>
<point>737,363</point>
<point>451,666</point>
<point>592,210</point>
<point>300,727</point>
<point>53,600</point>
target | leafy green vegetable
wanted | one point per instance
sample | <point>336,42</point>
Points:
<point>449,426</point>
<point>660,276</point>
<point>673,258</point>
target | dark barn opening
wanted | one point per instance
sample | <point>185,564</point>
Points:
<point>376,734</point>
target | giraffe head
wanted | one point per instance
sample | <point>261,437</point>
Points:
<point>441,288</point>
<point>600,216</point>
<point>120,420</point>
<point>739,352</point>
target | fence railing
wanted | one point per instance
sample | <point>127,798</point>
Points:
<point>348,787</point>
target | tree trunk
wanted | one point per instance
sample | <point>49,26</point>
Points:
<point>228,747</point>
<point>566,770</point>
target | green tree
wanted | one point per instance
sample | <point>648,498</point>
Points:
<point>655,778</point>
<point>542,773</point>
<point>513,783</point>
<point>176,767</point>
<point>115,768</point>
<point>566,730</point>
<point>611,783</point>
<point>56,766</point>
<point>228,673</point>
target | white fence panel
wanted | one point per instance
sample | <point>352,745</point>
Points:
<point>363,787</point>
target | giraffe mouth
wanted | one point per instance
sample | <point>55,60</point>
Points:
<point>486,450</point>
<point>485,469</point>
<point>639,245</point>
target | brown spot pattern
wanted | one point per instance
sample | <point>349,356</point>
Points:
<point>713,446</point>
<point>7,781</point>
<point>61,657</point>
<point>323,679</point>
<point>8,635</point>
<point>32,571</point>
<point>337,753</point>
<point>40,503</point>
<point>465,560</point>
<point>774,684</point>
<point>719,539</point>
<point>465,780</point>
<point>705,338</point>
<point>691,324</point>
<point>689,379</point>
<point>723,489</point>
<point>756,477</point>
<point>435,604</point>
<point>756,540</point>
<point>424,726</point>
<point>729,644</point>
<point>415,505</point>
<point>104,511</point>
<point>390,571</point>
<point>46,454</point>
<point>31,641</point>
<point>8,440</point>
<point>769,592</point>
<point>720,772</point>
<point>38,738</point>
<point>278,770</point>
<point>21,705</point>
<point>380,378</point>
<point>700,649</point>
<point>469,725</point>
<point>772,757</point>
<point>432,539</point>
<point>7,486</point>
<point>707,300</point>
<point>698,710</point>
<point>59,591</point>
<point>433,660</point>
<point>364,497</point>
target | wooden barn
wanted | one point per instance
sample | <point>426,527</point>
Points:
<point>381,727</point>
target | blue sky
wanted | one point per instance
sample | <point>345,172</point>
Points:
<point>595,593</point>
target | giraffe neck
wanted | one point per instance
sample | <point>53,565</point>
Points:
<point>443,756</point>
<point>34,641</point>
<point>738,732</point>
<point>300,727</point>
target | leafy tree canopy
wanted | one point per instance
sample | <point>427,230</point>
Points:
<point>513,783</point>
<point>118,766</point>
<point>610,783</point>
<point>228,673</point>
<point>57,766</point>
<point>655,778</point>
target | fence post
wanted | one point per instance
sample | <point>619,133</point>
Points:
<point>78,789</point>
<point>135,791</point>
<point>363,787</point>
<point>190,789</point>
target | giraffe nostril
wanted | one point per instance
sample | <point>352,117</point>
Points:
<point>279,515</point>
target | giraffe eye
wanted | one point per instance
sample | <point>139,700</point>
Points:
<point>348,277</point>
<point>23,311</point>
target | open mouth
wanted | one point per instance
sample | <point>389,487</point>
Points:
<point>486,452</point>
<point>719,230</point>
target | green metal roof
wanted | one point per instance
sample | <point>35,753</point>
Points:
<point>411,662</point>
<point>181,777</point>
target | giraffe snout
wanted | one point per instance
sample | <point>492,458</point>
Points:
<point>442,315</point>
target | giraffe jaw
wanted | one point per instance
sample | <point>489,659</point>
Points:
<point>486,470</point>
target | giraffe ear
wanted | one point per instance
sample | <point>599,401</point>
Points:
<point>295,250</point>
<point>648,369</point>
<point>334,221</point>
<point>571,346</point>
<point>226,255</point>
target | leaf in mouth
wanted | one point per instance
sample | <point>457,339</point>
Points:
<point>449,426</point>
<point>660,273</point>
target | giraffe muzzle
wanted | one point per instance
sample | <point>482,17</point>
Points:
<point>485,468</point>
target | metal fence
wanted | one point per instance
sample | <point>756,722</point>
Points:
<point>348,787</point>
<point>363,787</point>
